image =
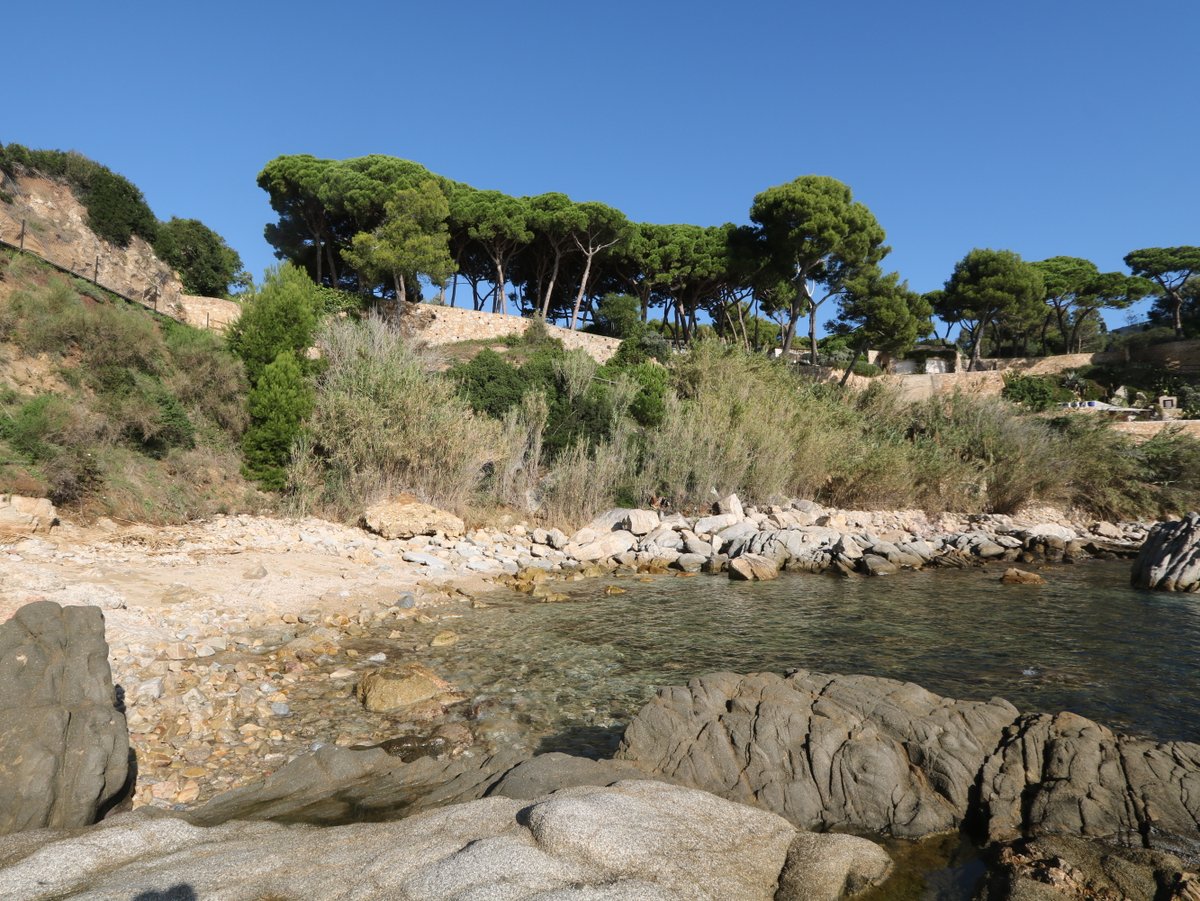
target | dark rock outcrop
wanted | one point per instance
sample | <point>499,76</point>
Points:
<point>1065,774</point>
<point>827,752</point>
<point>1170,558</point>
<point>64,747</point>
<point>861,753</point>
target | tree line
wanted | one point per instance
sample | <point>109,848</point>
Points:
<point>380,226</point>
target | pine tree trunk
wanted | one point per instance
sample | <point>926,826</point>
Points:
<point>550,287</point>
<point>587,271</point>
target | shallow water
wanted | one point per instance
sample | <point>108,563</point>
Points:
<point>568,676</point>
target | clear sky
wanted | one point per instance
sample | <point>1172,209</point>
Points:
<point>1052,127</point>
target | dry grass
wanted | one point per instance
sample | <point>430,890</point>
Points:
<point>384,423</point>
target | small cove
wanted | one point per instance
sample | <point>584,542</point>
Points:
<point>568,676</point>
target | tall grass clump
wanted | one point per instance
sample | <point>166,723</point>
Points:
<point>733,422</point>
<point>383,423</point>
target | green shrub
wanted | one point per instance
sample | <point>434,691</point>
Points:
<point>58,437</point>
<point>619,316</point>
<point>863,368</point>
<point>1034,392</point>
<point>279,316</point>
<point>490,384</point>
<point>641,348</point>
<point>279,403</point>
<point>205,263</point>
<point>537,337</point>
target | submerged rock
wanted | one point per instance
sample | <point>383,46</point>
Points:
<point>1170,558</point>
<point>1067,867</point>
<point>392,689</point>
<point>1014,576</point>
<point>64,747</point>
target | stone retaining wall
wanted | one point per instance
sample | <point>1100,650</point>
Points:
<point>1144,431</point>
<point>439,325</point>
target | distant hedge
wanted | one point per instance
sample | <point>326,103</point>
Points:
<point>116,208</point>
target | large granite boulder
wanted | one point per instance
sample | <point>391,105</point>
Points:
<point>1170,558</point>
<point>862,753</point>
<point>827,752</point>
<point>634,840</point>
<point>64,747</point>
<point>406,517</point>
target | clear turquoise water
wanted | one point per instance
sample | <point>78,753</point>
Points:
<point>568,676</point>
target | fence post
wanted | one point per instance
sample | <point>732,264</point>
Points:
<point>22,236</point>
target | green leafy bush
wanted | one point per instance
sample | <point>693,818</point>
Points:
<point>490,384</point>
<point>619,316</point>
<point>206,264</point>
<point>1034,392</point>
<point>279,403</point>
<point>279,316</point>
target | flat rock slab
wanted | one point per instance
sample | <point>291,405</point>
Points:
<point>64,747</point>
<point>635,840</point>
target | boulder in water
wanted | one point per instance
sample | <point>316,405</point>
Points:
<point>1014,576</point>
<point>753,568</point>
<point>1170,558</point>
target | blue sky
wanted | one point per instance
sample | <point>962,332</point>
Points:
<point>1048,128</point>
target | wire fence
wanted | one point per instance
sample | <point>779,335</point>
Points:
<point>149,299</point>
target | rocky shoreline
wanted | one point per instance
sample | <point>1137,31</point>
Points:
<point>237,652</point>
<point>233,639</point>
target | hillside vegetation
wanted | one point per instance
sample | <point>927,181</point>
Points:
<point>143,418</point>
<point>130,415</point>
<point>117,212</point>
<point>561,435</point>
